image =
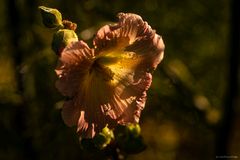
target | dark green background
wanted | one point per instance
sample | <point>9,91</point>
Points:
<point>187,104</point>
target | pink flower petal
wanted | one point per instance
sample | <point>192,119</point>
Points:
<point>74,63</point>
<point>136,50</point>
<point>108,84</point>
<point>70,113</point>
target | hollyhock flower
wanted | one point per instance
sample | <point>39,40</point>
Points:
<point>107,84</point>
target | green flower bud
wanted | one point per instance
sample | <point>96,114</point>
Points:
<point>107,132</point>
<point>104,138</point>
<point>62,38</point>
<point>134,129</point>
<point>51,18</point>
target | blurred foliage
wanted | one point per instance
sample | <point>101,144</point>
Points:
<point>185,102</point>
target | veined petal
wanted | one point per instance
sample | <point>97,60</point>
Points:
<point>131,50</point>
<point>74,64</point>
<point>108,84</point>
<point>87,85</point>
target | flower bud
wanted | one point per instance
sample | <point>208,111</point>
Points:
<point>104,138</point>
<point>62,38</point>
<point>51,18</point>
<point>107,132</point>
<point>134,129</point>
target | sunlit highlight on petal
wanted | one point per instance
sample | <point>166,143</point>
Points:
<point>108,84</point>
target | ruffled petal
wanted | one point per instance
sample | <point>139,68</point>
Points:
<point>85,129</point>
<point>108,84</point>
<point>87,86</point>
<point>74,64</point>
<point>72,69</point>
<point>131,50</point>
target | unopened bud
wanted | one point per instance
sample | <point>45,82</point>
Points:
<point>62,38</point>
<point>51,17</point>
<point>104,138</point>
<point>107,132</point>
<point>134,129</point>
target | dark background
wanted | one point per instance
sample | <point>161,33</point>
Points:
<point>193,105</point>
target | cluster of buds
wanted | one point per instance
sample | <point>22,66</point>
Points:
<point>125,138</point>
<point>65,30</point>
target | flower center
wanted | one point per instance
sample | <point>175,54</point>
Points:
<point>101,70</point>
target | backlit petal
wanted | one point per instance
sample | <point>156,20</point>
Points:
<point>108,84</point>
<point>135,50</point>
<point>74,64</point>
